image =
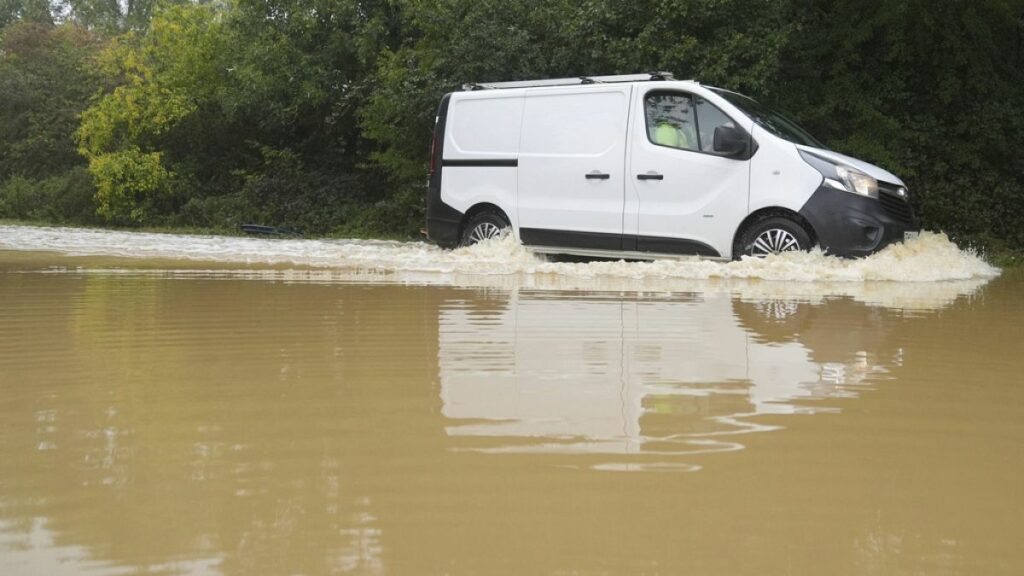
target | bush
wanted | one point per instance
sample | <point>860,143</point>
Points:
<point>64,199</point>
<point>21,198</point>
<point>73,197</point>
<point>128,183</point>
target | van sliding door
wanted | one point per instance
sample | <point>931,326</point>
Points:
<point>571,182</point>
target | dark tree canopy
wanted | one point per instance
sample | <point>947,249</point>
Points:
<point>318,113</point>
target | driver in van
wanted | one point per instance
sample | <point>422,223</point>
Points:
<point>673,126</point>
<point>668,134</point>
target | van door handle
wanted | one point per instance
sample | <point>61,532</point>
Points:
<point>595,175</point>
<point>650,176</point>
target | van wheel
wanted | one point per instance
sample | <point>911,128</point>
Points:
<point>774,235</point>
<point>483,226</point>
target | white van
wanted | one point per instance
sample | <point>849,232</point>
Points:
<point>644,166</point>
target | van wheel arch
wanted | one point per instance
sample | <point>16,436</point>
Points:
<point>478,209</point>
<point>763,214</point>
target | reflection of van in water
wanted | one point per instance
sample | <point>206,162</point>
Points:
<point>593,373</point>
<point>644,166</point>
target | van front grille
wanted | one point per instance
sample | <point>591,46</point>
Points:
<point>896,207</point>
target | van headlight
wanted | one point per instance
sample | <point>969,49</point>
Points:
<point>858,182</point>
<point>842,177</point>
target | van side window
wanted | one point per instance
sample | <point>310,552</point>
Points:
<point>708,118</point>
<point>671,121</point>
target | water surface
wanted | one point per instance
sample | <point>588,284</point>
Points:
<point>187,405</point>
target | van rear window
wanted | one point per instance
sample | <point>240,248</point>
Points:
<point>485,127</point>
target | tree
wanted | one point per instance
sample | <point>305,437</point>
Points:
<point>930,91</point>
<point>37,11</point>
<point>319,113</point>
<point>47,75</point>
<point>166,78</point>
<point>244,111</point>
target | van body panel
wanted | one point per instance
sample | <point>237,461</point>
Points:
<point>779,177</point>
<point>571,155</point>
<point>701,197</point>
<point>465,186</point>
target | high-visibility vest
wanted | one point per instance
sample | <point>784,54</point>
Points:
<point>667,134</point>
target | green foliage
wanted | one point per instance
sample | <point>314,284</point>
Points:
<point>111,16</point>
<point>166,76</point>
<point>24,199</point>
<point>67,198</point>
<point>128,183</point>
<point>318,113</point>
<point>36,11</point>
<point>47,75</point>
<point>252,110</point>
<point>930,91</point>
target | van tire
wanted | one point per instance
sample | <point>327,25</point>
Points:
<point>773,235</point>
<point>482,226</point>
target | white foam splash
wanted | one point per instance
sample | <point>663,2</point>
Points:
<point>931,257</point>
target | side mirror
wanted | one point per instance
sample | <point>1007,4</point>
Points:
<point>730,141</point>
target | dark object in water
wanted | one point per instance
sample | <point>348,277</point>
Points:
<point>260,230</point>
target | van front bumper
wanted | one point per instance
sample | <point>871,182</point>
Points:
<point>851,225</point>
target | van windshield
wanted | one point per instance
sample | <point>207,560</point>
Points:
<point>770,120</point>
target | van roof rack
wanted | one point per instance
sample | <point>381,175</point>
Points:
<point>574,81</point>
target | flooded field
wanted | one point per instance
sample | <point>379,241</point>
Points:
<point>200,405</point>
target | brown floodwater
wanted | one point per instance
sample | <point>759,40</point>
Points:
<point>172,417</point>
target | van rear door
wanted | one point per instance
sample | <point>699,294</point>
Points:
<point>571,167</point>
